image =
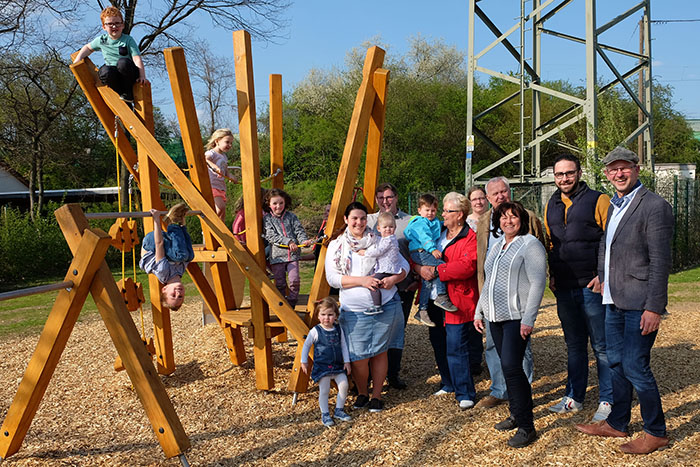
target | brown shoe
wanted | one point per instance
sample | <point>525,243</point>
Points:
<point>176,214</point>
<point>489,402</point>
<point>601,429</point>
<point>644,444</point>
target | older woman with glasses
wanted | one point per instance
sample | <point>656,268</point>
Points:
<point>515,276</point>
<point>457,346</point>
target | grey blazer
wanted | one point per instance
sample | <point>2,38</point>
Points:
<point>640,254</point>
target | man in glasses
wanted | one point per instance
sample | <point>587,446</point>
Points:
<point>498,192</point>
<point>634,262</point>
<point>123,65</point>
<point>387,201</point>
<point>574,219</point>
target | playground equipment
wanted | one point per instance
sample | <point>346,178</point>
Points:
<point>220,245</point>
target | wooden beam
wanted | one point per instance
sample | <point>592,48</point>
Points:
<point>86,75</point>
<point>122,330</point>
<point>345,183</point>
<point>276,141</point>
<point>199,174</point>
<point>374,138</point>
<point>250,170</point>
<point>89,255</point>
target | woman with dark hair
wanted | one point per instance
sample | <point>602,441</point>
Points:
<point>369,331</point>
<point>515,276</point>
<point>479,204</point>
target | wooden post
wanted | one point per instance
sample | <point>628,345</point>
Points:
<point>194,150</point>
<point>354,143</point>
<point>122,330</point>
<point>374,138</point>
<point>276,147</point>
<point>89,255</point>
<point>250,168</point>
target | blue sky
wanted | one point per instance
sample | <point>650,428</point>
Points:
<point>321,32</point>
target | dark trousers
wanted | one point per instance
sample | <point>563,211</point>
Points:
<point>511,349</point>
<point>438,340</point>
<point>394,355</point>
<point>120,78</point>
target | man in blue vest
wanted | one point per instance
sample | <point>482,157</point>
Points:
<point>575,219</point>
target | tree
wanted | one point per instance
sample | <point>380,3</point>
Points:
<point>216,79</point>
<point>168,23</point>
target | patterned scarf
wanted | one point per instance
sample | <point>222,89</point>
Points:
<point>618,201</point>
<point>348,244</point>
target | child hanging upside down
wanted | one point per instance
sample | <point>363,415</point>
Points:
<point>166,255</point>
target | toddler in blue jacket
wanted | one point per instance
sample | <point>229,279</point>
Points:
<point>423,234</point>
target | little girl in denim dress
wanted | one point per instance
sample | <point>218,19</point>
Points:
<point>331,359</point>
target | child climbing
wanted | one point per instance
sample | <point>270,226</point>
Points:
<point>423,234</point>
<point>331,359</point>
<point>166,255</point>
<point>285,233</point>
<point>123,65</point>
<point>383,255</point>
<point>219,144</point>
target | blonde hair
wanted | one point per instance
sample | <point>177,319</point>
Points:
<point>458,199</point>
<point>385,218</point>
<point>110,11</point>
<point>217,135</point>
<point>327,303</point>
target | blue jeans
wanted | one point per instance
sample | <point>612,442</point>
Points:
<point>493,361</point>
<point>629,353</point>
<point>511,349</point>
<point>457,347</point>
<point>439,341</point>
<point>424,258</point>
<point>582,316</point>
<point>176,243</point>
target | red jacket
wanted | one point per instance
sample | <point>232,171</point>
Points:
<point>459,273</point>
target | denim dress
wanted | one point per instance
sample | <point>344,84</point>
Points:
<point>328,355</point>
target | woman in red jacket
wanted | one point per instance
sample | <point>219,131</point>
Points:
<point>456,346</point>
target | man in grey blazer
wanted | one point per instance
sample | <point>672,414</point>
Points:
<point>633,266</point>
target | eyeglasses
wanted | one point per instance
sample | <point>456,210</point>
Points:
<point>620,170</point>
<point>114,25</point>
<point>451,210</point>
<point>481,198</point>
<point>387,198</point>
<point>567,174</point>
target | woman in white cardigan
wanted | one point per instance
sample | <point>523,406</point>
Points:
<point>515,276</point>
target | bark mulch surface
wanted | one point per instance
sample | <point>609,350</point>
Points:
<point>91,416</point>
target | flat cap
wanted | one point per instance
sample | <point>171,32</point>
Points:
<point>620,154</point>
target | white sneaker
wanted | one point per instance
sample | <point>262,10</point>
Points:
<point>441,392</point>
<point>566,405</point>
<point>467,404</point>
<point>604,409</point>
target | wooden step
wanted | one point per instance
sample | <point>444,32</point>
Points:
<point>238,317</point>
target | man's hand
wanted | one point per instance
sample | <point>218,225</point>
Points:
<point>650,322</point>
<point>436,254</point>
<point>479,325</point>
<point>594,285</point>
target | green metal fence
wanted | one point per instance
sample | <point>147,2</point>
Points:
<point>682,194</point>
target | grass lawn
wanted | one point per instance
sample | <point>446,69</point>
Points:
<point>27,315</point>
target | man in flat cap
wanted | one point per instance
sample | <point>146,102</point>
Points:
<point>633,265</point>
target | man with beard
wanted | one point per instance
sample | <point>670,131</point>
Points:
<point>574,219</point>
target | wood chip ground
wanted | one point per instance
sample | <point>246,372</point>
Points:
<point>91,416</point>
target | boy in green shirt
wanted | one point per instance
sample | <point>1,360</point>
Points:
<point>123,65</point>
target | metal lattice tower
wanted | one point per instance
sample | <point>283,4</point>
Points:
<point>529,78</point>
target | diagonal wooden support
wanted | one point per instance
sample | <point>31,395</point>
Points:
<point>86,75</point>
<point>89,255</point>
<point>250,170</point>
<point>122,330</point>
<point>192,142</point>
<point>374,138</point>
<point>357,132</point>
<point>257,277</point>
